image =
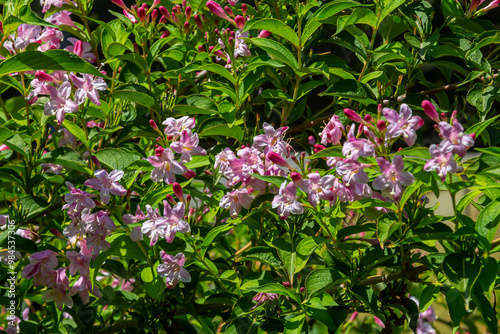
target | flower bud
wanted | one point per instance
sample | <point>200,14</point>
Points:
<point>368,118</point>
<point>208,172</point>
<point>178,191</point>
<point>174,17</point>
<point>278,159</point>
<point>311,140</point>
<point>473,135</point>
<point>186,27</point>
<point>154,15</point>
<point>264,34</point>
<point>381,125</point>
<point>244,9</point>
<point>211,48</point>
<point>153,125</point>
<point>318,148</point>
<point>164,12</point>
<point>56,233</point>
<point>296,177</point>
<point>188,200</point>
<point>240,21</point>
<point>353,116</point>
<point>42,76</point>
<point>228,11</point>
<point>170,199</point>
<point>188,13</point>
<point>159,150</point>
<point>197,20</point>
<point>32,100</point>
<point>95,161</point>
<point>232,3</point>
<point>444,117</point>
<point>201,48</point>
<point>430,111</point>
<point>216,9</point>
<point>141,14</point>
<point>78,48</point>
<point>165,34</point>
<point>189,174</point>
<point>120,4</point>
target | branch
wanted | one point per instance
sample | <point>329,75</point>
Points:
<point>409,274</point>
<point>400,99</point>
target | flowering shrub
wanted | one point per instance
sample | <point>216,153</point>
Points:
<point>209,167</point>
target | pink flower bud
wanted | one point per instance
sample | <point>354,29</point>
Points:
<point>453,115</point>
<point>381,125</point>
<point>32,100</point>
<point>287,284</point>
<point>174,17</point>
<point>189,174</point>
<point>244,9</point>
<point>430,111</point>
<point>4,147</point>
<point>188,12</point>
<point>231,40</point>
<point>197,20</point>
<point>240,21</point>
<point>141,14</point>
<point>264,34</point>
<point>158,139</point>
<point>473,135</point>
<point>164,12</point>
<point>56,233</point>
<point>278,159</point>
<point>211,48</point>
<point>201,48</point>
<point>153,125</point>
<point>78,48</point>
<point>188,200</point>
<point>120,4</point>
<point>215,8</point>
<point>163,20</point>
<point>232,3</point>
<point>318,148</point>
<point>186,27</point>
<point>165,34</point>
<point>203,18</point>
<point>302,289</point>
<point>444,117</point>
<point>296,177</point>
<point>95,161</point>
<point>129,16</point>
<point>368,118</point>
<point>155,3</point>
<point>191,212</point>
<point>170,199</point>
<point>178,191</point>
<point>208,172</point>
<point>154,15</point>
<point>353,116</point>
<point>311,140</point>
<point>228,11</point>
<point>42,76</point>
<point>159,150</point>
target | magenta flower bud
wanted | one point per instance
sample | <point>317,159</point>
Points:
<point>430,111</point>
<point>286,284</point>
<point>278,159</point>
<point>381,125</point>
<point>296,177</point>
<point>216,9</point>
<point>154,15</point>
<point>369,118</point>
<point>311,140</point>
<point>136,48</point>
<point>228,11</point>
<point>318,148</point>
<point>264,34</point>
<point>302,289</point>
<point>163,20</point>
<point>186,27</point>
<point>232,34</point>
<point>189,174</point>
<point>78,48</point>
<point>444,117</point>
<point>171,199</point>
<point>158,139</point>
<point>159,150</point>
<point>231,40</point>
<point>379,141</point>
<point>244,9</point>
<point>353,116</point>
<point>203,18</point>
<point>240,21</point>
<point>95,161</point>
<point>201,48</point>
<point>56,233</point>
<point>141,14</point>
<point>232,3</point>
<point>211,48</point>
<point>197,20</point>
<point>454,115</point>
<point>120,4</point>
<point>188,200</point>
<point>473,135</point>
<point>175,19</point>
<point>165,34</point>
<point>183,3</point>
<point>155,3</point>
<point>178,191</point>
<point>42,76</point>
<point>208,172</point>
<point>153,125</point>
<point>164,12</point>
<point>32,100</point>
<point>188,12</point>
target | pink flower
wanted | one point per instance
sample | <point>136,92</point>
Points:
<point>332,133</point>
<point>82,286</point>
<point>80,261</point>
<point>442,160</point>
<point>155,225</point>
<point>174,127</point>
<point>402,124</point>
<point>263,297</point>
<point>317,187</point>
<point>272,140</point>
<point>49,3</point>
<point>81,49</point>
<point>51,39</point>
<point>392,176</point>
<point>234,200</point>
<point>459,141</point>
<point>59,103</point>
<point>61,17</point>
<point>136,233</point>
<point>26,34</point>
<point>67,138</point>
<point>356,147</point>
<point>41,268</point>
<point>165,166</point>
<point>87,88</point>
<point>175,220</point>
<point>77,200</point>
<point>286,201</point>
<point>107,184</point>
<point>223,160</point>
<point>173,270</point>
<point>59,296</point>
<point>187,145</point>
<point>215,8</point>
<point>353,175</point>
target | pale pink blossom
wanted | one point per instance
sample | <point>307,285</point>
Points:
<point>173,269</point>
<point>155,225</point>
<point>442,160</point>
<point>272,140</point>
<point>136,233</point>
<point>83,286</point>
<point>392,176</point>
<point>81,49</point>
<point>174,127</point>
<point>356,147</point>
<point>286,201</point>
<point>87,88</point>
<point>234,200</point>
<point>175,220</point>
<point>187,145</point>
<point>165,166</point>
<point>107,184</point>
<point>402,124</point>
<point>61,17</point>
<point>60,103</point>
<point>263,297</point>
<point>459,141</point>
<point>80,261</point>
<point>332,133</point>
<point>42,268</point>
<point>317,188</point>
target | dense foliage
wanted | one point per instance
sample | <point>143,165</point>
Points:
<point>249,167</point>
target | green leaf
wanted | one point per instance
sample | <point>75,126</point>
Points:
<point>76,131</point>
<point>136,94</point>
<point>486,38</point>
<point>117,158</point>
<point>482,97</point>
<point>321,279</point>
<point>462,271</point>
<point>275,26</point>
<point>294,324</point>
<point>212,236</point>
<point>427,297</point>
<point>14,141</point>
<point>215,68</point>
<point>420,152</point>
<point>23,15</point>
<point>304,250</point>
<point>488,220</point>
<point>351,89</point>
<point>153,283</point>
<point>335,151</point>
<point>276,180</point>
<point>60,60</point>
<point>275,288</point>
<point>276,50</point>
<point>263,254</point>
<point>389,8</point>
<point>32,205</point>
<point>191,110</point>
<point>223,130</point>
<point>481,126</point>
<point>65,157</point>
<point>489,314</point>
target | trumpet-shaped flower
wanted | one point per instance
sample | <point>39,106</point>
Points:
<point>234,200</point>
<point>332,133</point>
<point>107,184</point>
<point>455,135</point>
<point>187,145</point>
<point>175,220</point>
<point>81,49</point>
<point>402,124</point>
<point>80,261</point>
<point>41,268</point>
<point>155,225</point>
<point>442,160</point>
<point>77,200</point>
<point>60,103</point>
<point>317,187</point>
<point>355,147</point>
<point>173,270</point>
<point>272,140</point>
<point>286,201</point>
<point>87,88</point>
<point>165,166</point>
<point>174,127</point>
<point>392,176</point>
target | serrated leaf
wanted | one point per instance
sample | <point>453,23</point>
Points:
<point>212,236</point>
<point>275,50</point>
<point>275,26</point>
<point>321,279</point>
<point>65,157</point>
<point>117,158</point>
